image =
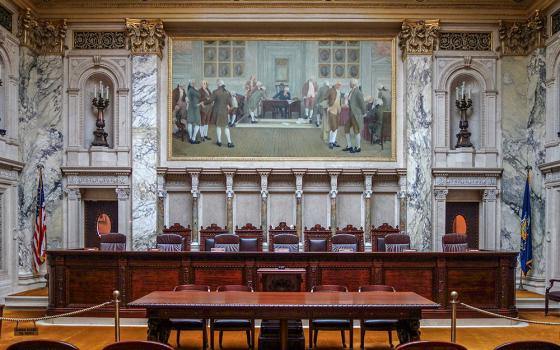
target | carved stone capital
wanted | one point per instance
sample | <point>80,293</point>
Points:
<point>162,193</point>
<point>419,37</point>
<point>490,195</point>
<point>441,195</point>
<point>368,194</point>
<point>122,193</point>
<point>520,38</point>
<point>264,183</point>
<point>146,36</point>
<point>73,194</point>
<point>195,193</point>
<point>44,36</point>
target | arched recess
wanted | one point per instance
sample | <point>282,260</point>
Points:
<point>8,91</point>
<point>90,84</point>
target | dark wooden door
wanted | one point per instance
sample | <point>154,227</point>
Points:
<point>470,212</point>
<point>92,211</point>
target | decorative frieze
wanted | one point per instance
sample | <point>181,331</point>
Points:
<point>146,36</point>
<point>8,174</point>
<point>98,180</point>
<point>465,41</point>
<point>419,37</point>
<point>5,18</point>
<point>99,40</point>
<point>518,39</point>
<point>44,36</point>
<point>466,181</point>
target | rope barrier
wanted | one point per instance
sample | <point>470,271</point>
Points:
<point>507,317</point>
<point>72,313</point>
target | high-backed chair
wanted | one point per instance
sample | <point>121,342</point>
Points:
<point>137,345</point>
<point>550,295</point>
<point>250,238</point>
<point>190,324</point>
<point>169,242</point>
<point>41,345</point>
<point>330,324</point>
<point>430,345</point>
<point>317,239</point>
<point>344,242</point>
<point>285,241</point>
<point>454,243</point>
<point>528,345</point>
<point>182,231</point>
<point>378,236</point>
<point>377,325</point>
<point>113,242</point>
<point>207,235</point>
<point>355,231</point>
<point>397,242</point>
<point>280,229</point>
<point>233,325</point>
<point>229,242</point>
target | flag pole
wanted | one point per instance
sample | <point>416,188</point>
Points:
<point>528,168</point>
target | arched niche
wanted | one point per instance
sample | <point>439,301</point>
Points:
<point>90,113</point>
<point>3,98</point>
<point>474,114</point>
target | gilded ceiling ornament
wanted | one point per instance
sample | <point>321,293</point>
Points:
<point>146,36</point>
<point>419,37</point>
<point>44,36</point>
<point>518,39</point>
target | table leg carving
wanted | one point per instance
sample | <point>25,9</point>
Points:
<point>408,330</point>
<point>159,330</point>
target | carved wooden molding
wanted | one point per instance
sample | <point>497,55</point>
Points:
<point>146,36</point>
<point>520,38</point>
<point>419,37</point>
<point>44,36</point>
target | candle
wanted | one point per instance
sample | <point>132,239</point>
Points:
<point>95,91</point>
<point>463,91</point>
<point>457,93</point>
<point>470,93</point>
<point>107,93</point>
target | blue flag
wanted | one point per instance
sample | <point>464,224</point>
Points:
<point>526,252</point>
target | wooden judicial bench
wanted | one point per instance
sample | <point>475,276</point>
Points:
<point>80,278</point>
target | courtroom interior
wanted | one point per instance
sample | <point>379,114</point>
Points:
<point>279,174</point>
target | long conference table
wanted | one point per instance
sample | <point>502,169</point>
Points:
<point>403,306</point>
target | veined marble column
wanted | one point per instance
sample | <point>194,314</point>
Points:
<point>264,203</point>
<point>368,192</point>
<point>402,202</point>
<point>195,193</point>
<point>229,200</point>
<point>299,199</point>
<point>439,218</point>
<point>161,195</point>
<point>332,194</point>
<point>418,40</point>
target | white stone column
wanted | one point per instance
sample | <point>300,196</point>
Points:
<point>75,219</point>
<point>490,231</point>
<point>299,202</point>
<point>195,194</point>
<point>123,197</point>
<point>332,194</point>
<point>229,199</point>
<point>439,218</point>
<point>368,194</point>
<point>402,195</point>
<point>264,202</point>
<point>161,195</point>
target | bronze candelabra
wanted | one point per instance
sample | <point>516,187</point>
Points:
<point>100,103</point>
<point>464,136</point>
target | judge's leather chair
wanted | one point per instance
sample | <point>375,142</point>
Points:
<point>41,345</point>
<point>228,241</point>
<point>454,243</point>
<point>250,238</point>
<point>207,235</point>
<point>344,241</point>
<point>397,242</point>
<point>182,231</point>
<point>113,242</point>
<point>317,239</point>
<point>190,324</point>
<point>330,324</point>
<point>528,345</point>
<point>285,241</point>
<point>430,345</point>
<point>169,242</point>
<point>233,325</point>
<point>377,325</point>
<point>551,295</point>
<point>378,236</point>
<point>137,345</point>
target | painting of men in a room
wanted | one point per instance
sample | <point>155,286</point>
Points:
<point>282,98</point>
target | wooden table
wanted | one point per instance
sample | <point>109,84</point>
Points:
<point>404,306</point>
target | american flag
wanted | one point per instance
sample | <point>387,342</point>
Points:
<point>40,234</point>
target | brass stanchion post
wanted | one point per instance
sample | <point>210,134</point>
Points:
<point>116,295</point>
<point>454,302</point>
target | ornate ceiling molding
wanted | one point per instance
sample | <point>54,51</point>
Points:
<point>520,38</point>
<point>419,37</point>
<point>146,36</point>
<point>44,36</point>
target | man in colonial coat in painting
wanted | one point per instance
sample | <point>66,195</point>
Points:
<point>357,110</point>
<point>221,98</point>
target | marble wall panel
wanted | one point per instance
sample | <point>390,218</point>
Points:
<point>41,142</point>
<point>213,209</point>
<point>384,209</point>
<point>145,146</point>
<point>281,208</point>
<point>419,150</point>
<point>316,208</point>
<point>180,208</point>
<point>523,129</point>
<point>247,209</point>
<point>349,209</point>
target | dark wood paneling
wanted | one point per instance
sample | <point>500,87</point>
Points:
<point>90,286</point>
<point>416,280</point>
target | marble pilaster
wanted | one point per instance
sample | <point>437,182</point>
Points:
<point>195,193</point>
<point>299,200</point>
<point>419,150</point>
<point>368,193</point>
<point>123,198</point>
<point>402,202</point>
<point>439,218</point>
<point>332,194</point>
<point>41,142</point>
<point>161,195</point>
<point>264,203</point>
<point>145,148</point>
<point>229,200</point>
<point>74,220</point>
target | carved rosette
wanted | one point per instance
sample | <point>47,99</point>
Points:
<point>146,36</point>
<point>520,38</point>
<point>44,36</point>
<point>419,37</point>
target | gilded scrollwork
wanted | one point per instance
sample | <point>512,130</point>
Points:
<point>466,41</point>
<point>419,37</point>
<point>145,36</point>
<point>45,36</point>
<point>99,40</point>
<point>520,38</point>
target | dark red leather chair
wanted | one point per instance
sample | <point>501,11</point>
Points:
<point>137,345</point>
<point>550,295</point>
<point>430,345</point>
<point>528,345</point>
<point>42,345</point>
